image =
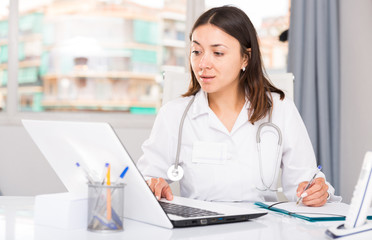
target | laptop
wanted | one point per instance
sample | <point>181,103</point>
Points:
<point>92,145</point>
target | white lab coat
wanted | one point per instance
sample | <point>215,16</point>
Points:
<point>224,166</point>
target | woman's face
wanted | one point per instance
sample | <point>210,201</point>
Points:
<point>216,59</point>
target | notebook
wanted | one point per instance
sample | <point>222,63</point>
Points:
<point>327,212</point>
<point>93,144</point>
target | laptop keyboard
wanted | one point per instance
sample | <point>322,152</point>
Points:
<point>185,211</point>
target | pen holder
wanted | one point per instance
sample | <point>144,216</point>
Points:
<point>105,207</point>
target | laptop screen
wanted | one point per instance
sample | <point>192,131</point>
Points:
<point>92,145</point>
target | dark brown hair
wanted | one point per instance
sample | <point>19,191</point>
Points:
<point>257,87</point>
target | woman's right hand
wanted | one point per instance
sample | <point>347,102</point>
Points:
<point>160,188</point>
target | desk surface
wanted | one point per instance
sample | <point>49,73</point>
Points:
<point>16,222</point>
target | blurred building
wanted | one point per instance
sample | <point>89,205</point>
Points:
<point>96,55</point>
<point>274,52</point>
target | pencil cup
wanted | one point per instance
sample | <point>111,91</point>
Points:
<point>105,207</point>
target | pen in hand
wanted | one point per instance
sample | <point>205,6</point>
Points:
<point>308,185</point>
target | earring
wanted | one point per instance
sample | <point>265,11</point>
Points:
<point>243,69</point>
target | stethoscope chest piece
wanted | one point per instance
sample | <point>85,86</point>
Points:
<point>175,174</point>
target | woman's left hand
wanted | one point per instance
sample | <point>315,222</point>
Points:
<point>316,195</point>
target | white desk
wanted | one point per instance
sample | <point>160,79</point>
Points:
<point>16,223</point>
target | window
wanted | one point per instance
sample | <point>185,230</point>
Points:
<point>108,55</point>
<point>97,55</point>
<point>271,23</point>
<point>4,26</point>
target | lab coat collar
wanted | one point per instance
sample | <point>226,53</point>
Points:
<point>201,105</point>
<point>243,116</point>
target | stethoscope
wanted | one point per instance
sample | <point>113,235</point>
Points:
<point>175,172</point>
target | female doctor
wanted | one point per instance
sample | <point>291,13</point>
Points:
<point>215,125</point>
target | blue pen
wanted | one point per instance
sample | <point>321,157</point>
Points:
<point>121,177</point>
<point>116,218</point>
<point>106,223</point>
<point>87,175</point>
<point>309,184</point>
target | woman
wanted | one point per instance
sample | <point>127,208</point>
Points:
<point>231,99</point>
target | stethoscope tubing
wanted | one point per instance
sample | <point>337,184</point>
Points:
<point>180,130</point>
<point>176,168</point>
